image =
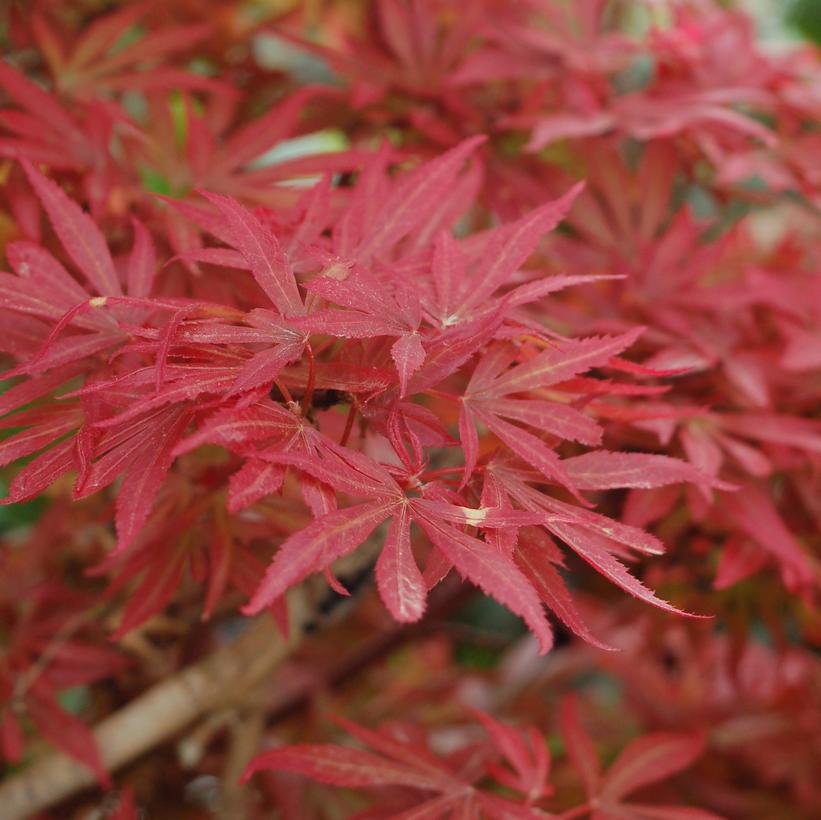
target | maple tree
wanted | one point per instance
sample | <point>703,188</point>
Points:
<point>410,408</point>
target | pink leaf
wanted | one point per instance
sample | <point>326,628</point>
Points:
<point>264,367</point>
<point>649,759</point>
<point>565,360</point>
<point>530,764</point>
<point>580,748</point>
<point>398,578</point>
<point>47,427</point>
<point>81,238</point>
<point>448,269</point>
<point>549,417</point>
<point>41,104</point>
<point>453,348</point>
<point>419,191</point>
<point>341,766</point>
<point>316,547</point>
<point>411,754</point>
<point>408,356</point>
<point>601,560</point>
<point>347,324</point>
<point>66,731</point>
<point>254,480</point>
<point>535,563</point>
<point>602,469</point>
<point>42,471</point>
<point>753,512</point>
<point>263,420</point>
<point>469,439</point>
<point>142,263</point>
<point>513,243</point>
<point>261,250</point>
<point>35,263</point>
<point>531,449</point>
<point>495,574</point>
<point>145,474</point>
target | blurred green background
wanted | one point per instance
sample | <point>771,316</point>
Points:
<point>805,17</point>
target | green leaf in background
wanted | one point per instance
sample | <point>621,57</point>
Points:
<point>19,515</point>
<point>805,16</point>
<point>16,515</point>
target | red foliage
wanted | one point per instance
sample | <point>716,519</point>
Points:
<point>551,295</point>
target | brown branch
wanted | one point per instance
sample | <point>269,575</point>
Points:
<point>245,735</point>
<point>220,680</point>
<point>157,714</point>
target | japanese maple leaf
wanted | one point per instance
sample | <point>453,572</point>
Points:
<point>187,531</point>
<point>206,367</point>
<point>646,760</point>
<point>394,759</point>
<point>264,433</point>
<point>46,653</point>
<point>527,754</point>
<point>687,97</point>
<point>227,156</point>
<point>75,124</point>
<point>599,540</point>
<point>487,398</point>
<point>374,307</point>
<point>648,116</point>
<point>372,311</point>
<point>398,576</point>
<point>44,289</point>
<point>382,212</point>
<point>412,48</point>
<point>466,276</point>
<point>269,265</point>
<point>44,131</point>
<point>97,62</point>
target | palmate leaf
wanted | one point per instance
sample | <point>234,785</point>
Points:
<point>538,564</point>
<point>406,208</point>
<point>495,574</point>
<point>142,263</point>
<point>43,131</point>
<point>82,239</point>
<point>526,752</point>
<point>145,473</point>
<point>646,760</point>
<point>398,761</point>
<point>604,469</point>
<point>594,537</point>
<point>753,513</point>
<point>559,363</point>
<point>202,356</point>
<point>342,766</point>
<point>486,399</point>
<point>400,582</point>
<point>261,250</point>
<point>316,547</point>
<point>372,312</point>
<point>338,533</point>
<point>507,249</point>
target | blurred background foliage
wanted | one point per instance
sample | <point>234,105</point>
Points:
<point>805,17</point>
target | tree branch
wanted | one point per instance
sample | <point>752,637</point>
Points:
<point>158,714</point>
<point>221,679</point>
